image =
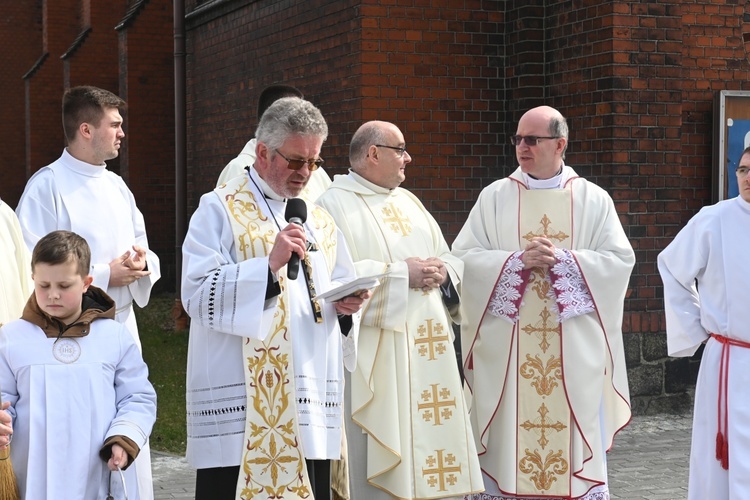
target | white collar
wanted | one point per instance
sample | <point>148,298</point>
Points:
<point>551,183</point>
<point>82,167</point>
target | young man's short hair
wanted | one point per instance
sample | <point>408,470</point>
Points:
<point>86,104</point>
<point>59,247</point>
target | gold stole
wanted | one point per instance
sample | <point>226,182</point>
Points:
<point>544,417</point>
<point>273,462</point>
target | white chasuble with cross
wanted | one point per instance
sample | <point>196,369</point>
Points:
<point>273,461</point>
<point>406,393</point>
<point>543,353</point>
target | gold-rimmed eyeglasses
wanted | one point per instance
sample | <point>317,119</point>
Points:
<point>312,163</point>
<point>399,150</point>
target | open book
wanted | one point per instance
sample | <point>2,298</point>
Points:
<point>359,284</point>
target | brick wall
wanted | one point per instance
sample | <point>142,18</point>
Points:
<point>17,57</point>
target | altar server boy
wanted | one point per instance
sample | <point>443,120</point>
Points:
<point>81,402</point>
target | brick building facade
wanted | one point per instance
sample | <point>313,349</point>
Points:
<point>636,80</point>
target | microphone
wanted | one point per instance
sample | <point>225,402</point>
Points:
<point>296,213</point>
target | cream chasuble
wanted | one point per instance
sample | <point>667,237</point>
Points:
<point>406,392</point>
<point>273,463</point>
<point>543,355</point>
<point>15,267</point>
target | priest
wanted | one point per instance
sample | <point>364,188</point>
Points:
<point>266,356</point>
<point>412,438</point>
<point>548,263</point>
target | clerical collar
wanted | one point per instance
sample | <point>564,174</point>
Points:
<point>82,167</point>
<point>263,186</point>
<point>370,185</point>
<point>551,183</point>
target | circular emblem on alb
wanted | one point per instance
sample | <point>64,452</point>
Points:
<point>66,350</point>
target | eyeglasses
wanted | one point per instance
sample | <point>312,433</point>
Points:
<point>742,171</point>
<point>312,163</point>
<point>399,151</point>
<point>530,140</point>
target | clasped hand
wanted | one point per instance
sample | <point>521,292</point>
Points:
<point>540,252</point>
<point>128,267</point>
<point>426,273</point>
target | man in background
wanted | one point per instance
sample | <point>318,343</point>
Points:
<point>319,179</point>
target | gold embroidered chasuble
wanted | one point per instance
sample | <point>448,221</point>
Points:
<point>273,462</point>
<point>555,392</point>
<point>406,392</point>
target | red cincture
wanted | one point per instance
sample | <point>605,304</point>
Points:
<point>722,437</point>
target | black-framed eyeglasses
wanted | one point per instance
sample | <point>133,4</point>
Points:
<point>399,151</point>
<point>530,140</point>
<point>312,163</point>
<point>742,172</point>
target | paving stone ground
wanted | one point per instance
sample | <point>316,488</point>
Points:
<point>649,461</point>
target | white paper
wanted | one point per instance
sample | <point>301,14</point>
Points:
<point>363,283</point>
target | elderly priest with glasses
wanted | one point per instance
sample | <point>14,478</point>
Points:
<point>548,263</point>
<point>265,381</point>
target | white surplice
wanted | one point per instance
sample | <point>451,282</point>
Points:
<point>713,249</point>
<point>96,204</point>
<point>592,370</point>
<point>225,298</point>
<point>15,267</point>
<point>406,397</point>
<point>64,409</point>
<point>318,183</point>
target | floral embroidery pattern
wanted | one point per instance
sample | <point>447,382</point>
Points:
<point>573,296</point>
<point>506,298</point>
<point>543,470</point>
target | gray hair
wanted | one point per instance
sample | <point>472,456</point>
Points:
<point>558,127</point>
<point>287,117</point>
<point>368,134</point>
